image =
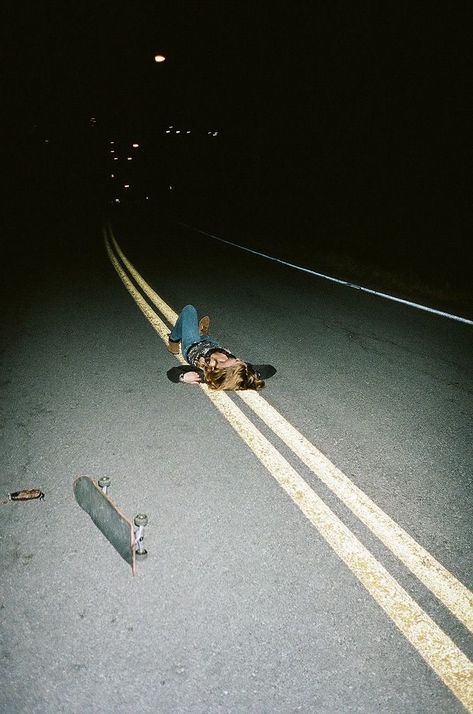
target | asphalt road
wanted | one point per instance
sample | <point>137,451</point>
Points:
<point>242,605</point>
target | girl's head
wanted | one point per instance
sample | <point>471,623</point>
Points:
<point>239,376</point>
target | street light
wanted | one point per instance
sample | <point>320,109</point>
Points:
<point>159,58</point>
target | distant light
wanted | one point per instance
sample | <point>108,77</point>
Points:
<point>159,58</point>
<point>112,142</point>
<point>188,132</point>
<point>126,185</point>
<point>135,146</point>
<point>209,132</point>
<point>170,188</point>
<point>215,133</point>
<point>128,158</point>
<point>171,126</point>
<point>112,175</point>
<point>168,131</point>
<point>46,141</point>
<point>115,158</point>
<point>112,151</point>
<point>178,131</point>
<point>117,200</point>
<point>147,198</point>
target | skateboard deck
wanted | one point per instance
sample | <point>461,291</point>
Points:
<point>115,526</point>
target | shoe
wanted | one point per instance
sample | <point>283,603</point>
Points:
<point>204,324</point>
<point>173,347</point>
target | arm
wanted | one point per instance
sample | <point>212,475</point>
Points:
<point>185,374</point>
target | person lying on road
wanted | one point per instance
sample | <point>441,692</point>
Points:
<point>208,362</point>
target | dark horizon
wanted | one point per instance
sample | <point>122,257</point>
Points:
<point>341,130</point>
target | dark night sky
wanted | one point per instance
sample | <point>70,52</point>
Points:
<point>367,65</point>
<point>369,102</point>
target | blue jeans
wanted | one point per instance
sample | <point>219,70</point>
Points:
<point>186,330</point>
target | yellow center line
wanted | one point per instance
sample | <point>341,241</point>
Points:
<point>450,591</point>
<point>437,649</point>
<point>443,584</point>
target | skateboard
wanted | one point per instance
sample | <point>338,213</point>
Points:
<point>116,527</point>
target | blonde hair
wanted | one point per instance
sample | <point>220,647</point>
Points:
<point>240,376</point>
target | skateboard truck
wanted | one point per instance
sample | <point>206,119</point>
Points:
<point>104,483</point>
<point>125,536</point>
<point>140,521</point>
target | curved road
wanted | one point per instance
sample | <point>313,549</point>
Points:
<point>323,567</point>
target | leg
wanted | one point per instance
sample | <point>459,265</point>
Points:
<point>187,330</point>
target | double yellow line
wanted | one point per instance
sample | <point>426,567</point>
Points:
<point>437,649</point>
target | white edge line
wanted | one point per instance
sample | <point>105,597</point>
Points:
<point>386,296</point>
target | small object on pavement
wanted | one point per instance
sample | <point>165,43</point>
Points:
<point>27,494</point>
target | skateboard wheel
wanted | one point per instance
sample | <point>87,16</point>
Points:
<point>104,483</point>
<point>141,520</point>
